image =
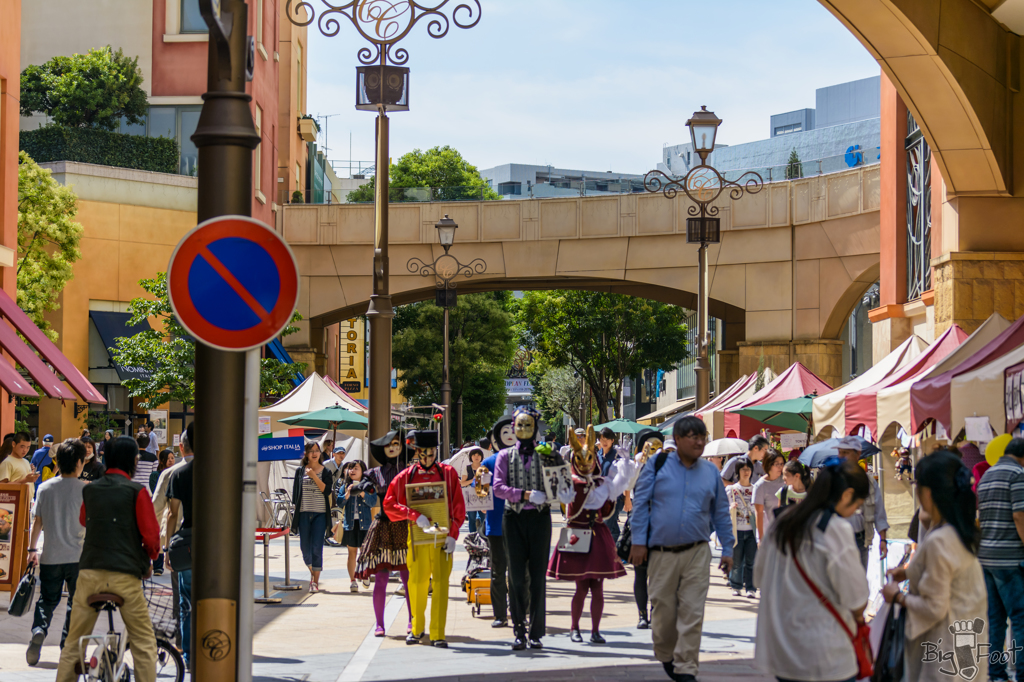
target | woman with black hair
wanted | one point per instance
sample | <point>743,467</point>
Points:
<point>812,543</point>
<point>311,495</point>
<point>947,602</point>
<point>357,496</point>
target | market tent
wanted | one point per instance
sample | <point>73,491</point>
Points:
<point>830,409</point>
<point>981,392</point>
<point>795,382</point>
<point>931,398</point>
<point>677,406</point>
<point>862,406</point>
<point>315,393</point>
<point>713,414</point>
<point>893,403</point>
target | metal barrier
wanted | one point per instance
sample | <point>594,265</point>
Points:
<point>268,534</point>
<point>287,585</point>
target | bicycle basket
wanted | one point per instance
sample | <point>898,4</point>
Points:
<point>160,599</point>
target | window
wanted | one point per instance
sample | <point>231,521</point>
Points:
<point>298,77</point>
<point>256,156</point>
<point>791,128</point>
<point>259,22</point>
<point>919,211</point>
<point>191,19</point>
<point>506,188</point>
<point>298,176</point>
<point>177,123</point>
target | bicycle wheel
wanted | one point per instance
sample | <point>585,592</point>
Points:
<point>170,666</point>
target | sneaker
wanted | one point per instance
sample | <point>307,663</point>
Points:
<point>751,594</point>
<point>737,593</point>
<point>354,587</point>
<point>366,583</point>
<point>34,647</point>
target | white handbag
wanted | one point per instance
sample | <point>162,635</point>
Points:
<point>575,540</point>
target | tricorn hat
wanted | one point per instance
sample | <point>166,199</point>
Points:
<point>426,439</point>
<point>646,435</point>
<point>377,446</point>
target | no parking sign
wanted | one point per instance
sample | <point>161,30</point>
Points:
<point>233,283</point>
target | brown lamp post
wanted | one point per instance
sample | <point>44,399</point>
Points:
<point>703,184</point>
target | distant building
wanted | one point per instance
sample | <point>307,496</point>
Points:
<point>523,181</point>
<point>842,131</point>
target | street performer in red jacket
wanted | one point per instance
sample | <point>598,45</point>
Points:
<point>433,560</point>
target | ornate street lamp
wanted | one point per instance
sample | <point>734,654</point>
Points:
<point>444,269</point>
<point>382,87</point>
<point>703,184</point>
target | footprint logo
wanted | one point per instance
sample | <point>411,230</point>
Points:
<point>965,642</point>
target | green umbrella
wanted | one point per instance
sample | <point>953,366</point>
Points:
<point>334,417</point>
<point>622,426</point>
<point>794,413</point>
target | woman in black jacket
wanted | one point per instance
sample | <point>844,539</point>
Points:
<point>311,495</point>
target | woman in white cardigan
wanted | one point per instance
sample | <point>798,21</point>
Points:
<point>947,602</point>
<point>798,638</point>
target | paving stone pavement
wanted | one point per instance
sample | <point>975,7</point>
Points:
<point>327,637</point>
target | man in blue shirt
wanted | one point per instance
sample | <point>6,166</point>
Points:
<point>675,508</point>
<point>42,461</point>
<point>499,557</point>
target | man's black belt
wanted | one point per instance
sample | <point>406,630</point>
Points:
<point>675,549</point>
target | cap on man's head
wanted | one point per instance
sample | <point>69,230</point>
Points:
<point>48,438</point>
<point>581,432</point>
<point>340,448</point>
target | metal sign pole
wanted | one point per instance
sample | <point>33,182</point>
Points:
<point>225,137</point>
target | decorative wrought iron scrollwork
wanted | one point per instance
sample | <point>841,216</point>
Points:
<point>703,184</point>
<point>445,275</point>
<point>383,22</point>
<point>919,212</point>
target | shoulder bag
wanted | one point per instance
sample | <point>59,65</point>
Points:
<point>889,664</point>
<point>860,639</point>
<point>21,602</point>
<point>179,550</point>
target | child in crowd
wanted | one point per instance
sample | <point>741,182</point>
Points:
<point>357,497</point>
<point>741,505</point>
<point>798,479</point>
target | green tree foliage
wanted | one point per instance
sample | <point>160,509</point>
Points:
<point>166,354</point>
<point>48,238</point>
<point>556,390</point>
<point>91,90</point>
<point>441,167</point>
<point>794,169</point>
<point>603,337</point>
<point>481,348</point>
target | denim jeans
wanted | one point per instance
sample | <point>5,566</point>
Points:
<point>613,521</point>
<point>52,578</point>
<point>312,526</point>
<point>185,611</point>
<point>474,516</point>
<point>742,575</point>
<point>1005,587</point>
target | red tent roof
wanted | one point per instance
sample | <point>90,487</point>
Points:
<point>862,406</point>
<point>930,398</point>
<point>795,382</point>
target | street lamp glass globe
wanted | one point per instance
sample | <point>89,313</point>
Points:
<point>703,128</point>
<point>446,230</point>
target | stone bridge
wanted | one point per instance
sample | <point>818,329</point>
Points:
<point>793,261</point>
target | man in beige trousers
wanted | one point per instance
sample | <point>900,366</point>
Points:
<point>679,499</point>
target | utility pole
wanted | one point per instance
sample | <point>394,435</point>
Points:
<point>226,138</point>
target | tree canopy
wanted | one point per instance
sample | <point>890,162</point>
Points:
<point>167,355</point>
<point>441,167</point>
<point>556,390</point>
<point>603,337</point>
<point>91,90</point>
<point>481,350</point>
<point>48,239</point>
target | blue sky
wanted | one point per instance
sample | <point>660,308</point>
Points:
<point>592,85</point>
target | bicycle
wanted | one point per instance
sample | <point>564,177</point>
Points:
<point>110,659</point>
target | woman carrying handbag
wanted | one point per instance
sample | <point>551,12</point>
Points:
<point>810,625</point>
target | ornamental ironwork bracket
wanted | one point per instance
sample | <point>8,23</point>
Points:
<point>445,268</point>
<point>703,184</point>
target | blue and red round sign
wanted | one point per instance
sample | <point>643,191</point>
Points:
<point>233,283</point>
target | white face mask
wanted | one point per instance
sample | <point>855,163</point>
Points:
<point>508,435</point>
<point>393,449</point>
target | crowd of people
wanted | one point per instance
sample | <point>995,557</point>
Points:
<point>793,539</point>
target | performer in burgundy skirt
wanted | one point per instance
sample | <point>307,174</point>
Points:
<point>587,555</point>
<point>386,543</point>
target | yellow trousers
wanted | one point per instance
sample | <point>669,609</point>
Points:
<point>134,613</point>
<point>426,562</point>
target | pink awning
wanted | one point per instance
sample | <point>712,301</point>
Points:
<point>15,384</point>
<point>24,356</point>
<point>862,406</point>
<point>741,385</point>
<point>795,382</point>
<point>931,398</point>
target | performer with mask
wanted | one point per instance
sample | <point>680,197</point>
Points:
<point>519,480</point>
<point>428,561</point>
<point>648,443</point>
<point>594,558</point>
<point>386,542</point>
<point>503,433</point>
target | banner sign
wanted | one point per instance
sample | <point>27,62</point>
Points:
<point>275,449</point>
<point>520,386</point>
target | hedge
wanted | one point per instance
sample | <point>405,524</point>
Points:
<point>101,147</point>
